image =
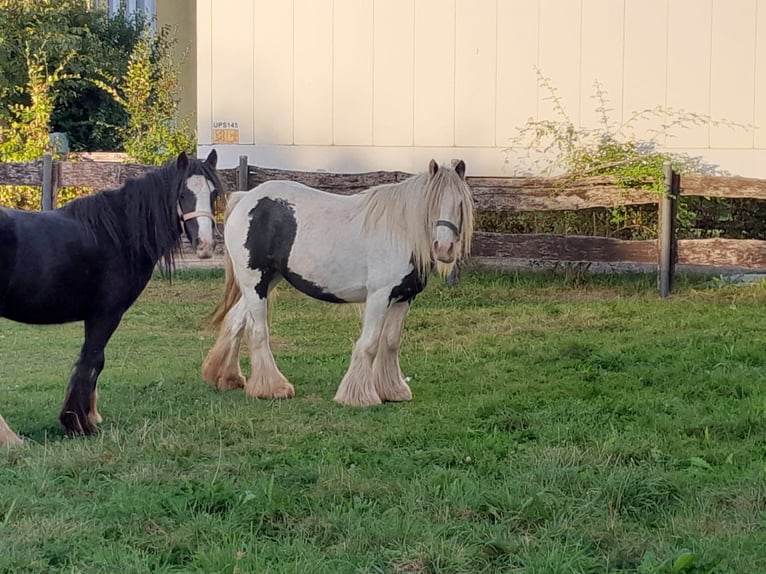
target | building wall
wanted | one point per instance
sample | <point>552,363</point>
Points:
<point>181,17</point>
<point>356,85</point>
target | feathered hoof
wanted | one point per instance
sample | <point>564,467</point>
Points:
<point>229,382</point>
<point>222,382</point>
<point>350,399</point>
<point>7,436</point>
<point>77,424</point>
<point>398,395</point>
<point>282,390</point>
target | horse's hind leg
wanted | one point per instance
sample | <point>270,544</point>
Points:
<point>265,382</point>
<point>389,380</point>
<point>79,415</point>
<point>7,436</point>
<point>358,385</point>
<point>221,365</point>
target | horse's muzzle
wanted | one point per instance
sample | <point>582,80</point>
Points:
<point>444,252</point>
<point>205,249</point>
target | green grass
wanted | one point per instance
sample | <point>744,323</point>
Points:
<point>560,424</point>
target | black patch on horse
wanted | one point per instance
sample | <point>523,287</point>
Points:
<point>270,238</point>
<point>409,287</point>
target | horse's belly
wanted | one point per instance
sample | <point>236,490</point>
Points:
<point>334,288</point>
<point>51,296</point>
<point>55,308</point>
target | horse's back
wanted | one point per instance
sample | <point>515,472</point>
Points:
<point>294,193</point>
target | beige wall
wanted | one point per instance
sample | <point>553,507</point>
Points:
<point>181,16</point>
<point>355,85</point>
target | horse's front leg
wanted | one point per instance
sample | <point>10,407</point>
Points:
<point>7,436</point>
<point>389,380</point>
<point>266,381</point>
<point>79,415</point>
<point>358,385</point>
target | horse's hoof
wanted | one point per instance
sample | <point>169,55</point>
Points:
<point>230,383</point>
<point>282,392</point>
<point>398,396</point>
<point>11,439</point>
<point>361,401</point>
<point>76,425</point>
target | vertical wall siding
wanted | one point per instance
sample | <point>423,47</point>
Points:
<point>602,57</point>
<point>413,75</point>
<point>232,72</point>
<point>475,72</point>
<point>644,67</point>
<point>516,100</point>
<point>732,53</point>
<point>434,73</point>
<point>393,72</point>
<point>274,59</point>
<point>689,47</point>
<point>759,104</point>
<point>313,72</point>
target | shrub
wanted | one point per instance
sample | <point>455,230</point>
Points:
<point>556,146</point>
<point>149,94</point>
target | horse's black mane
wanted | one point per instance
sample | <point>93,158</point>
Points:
<point>140,218</point>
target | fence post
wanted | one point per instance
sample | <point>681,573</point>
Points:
<point>666,220</point>
<point>49,190</point>
<point>242,174</point>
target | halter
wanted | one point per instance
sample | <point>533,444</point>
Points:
<point>193,215</point>
<point>449,225</point>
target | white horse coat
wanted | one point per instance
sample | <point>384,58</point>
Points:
<point>376,247</point>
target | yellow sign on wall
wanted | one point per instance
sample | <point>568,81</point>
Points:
<point>225,133</point>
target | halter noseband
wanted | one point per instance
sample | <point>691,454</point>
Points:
<point>184,217</point>
<point>449,225</point>
<point>193,214</point>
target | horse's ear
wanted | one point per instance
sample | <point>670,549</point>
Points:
<point>459,166</point>
<point>182,162</point>
<point>212,158</point>
<point>433,167</point>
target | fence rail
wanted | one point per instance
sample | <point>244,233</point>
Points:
<point>519,194</point>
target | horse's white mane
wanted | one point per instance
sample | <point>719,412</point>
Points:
<point>409,210</point>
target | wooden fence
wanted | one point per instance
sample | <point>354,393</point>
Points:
<point>513,194</point>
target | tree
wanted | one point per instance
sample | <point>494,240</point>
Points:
<point>148,92</point>
<point>53,31</point>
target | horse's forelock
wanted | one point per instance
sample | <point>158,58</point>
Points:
<point>410,208</point>
<point>447,180</point>
<point>199,167</point>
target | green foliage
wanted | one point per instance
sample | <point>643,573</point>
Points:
<point>558,146</point>
<point>610,148</point>
<point>26,137</point>
<point>149,94</point>
<point>54,30</point>
<point>559,437</point>
<point>120,91</point>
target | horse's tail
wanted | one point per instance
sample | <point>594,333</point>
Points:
<point>231,292</point>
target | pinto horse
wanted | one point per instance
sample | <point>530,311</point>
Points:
<point>90,259</point>
<point>377,247</point>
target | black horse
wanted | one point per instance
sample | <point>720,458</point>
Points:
<point>89,261</point>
